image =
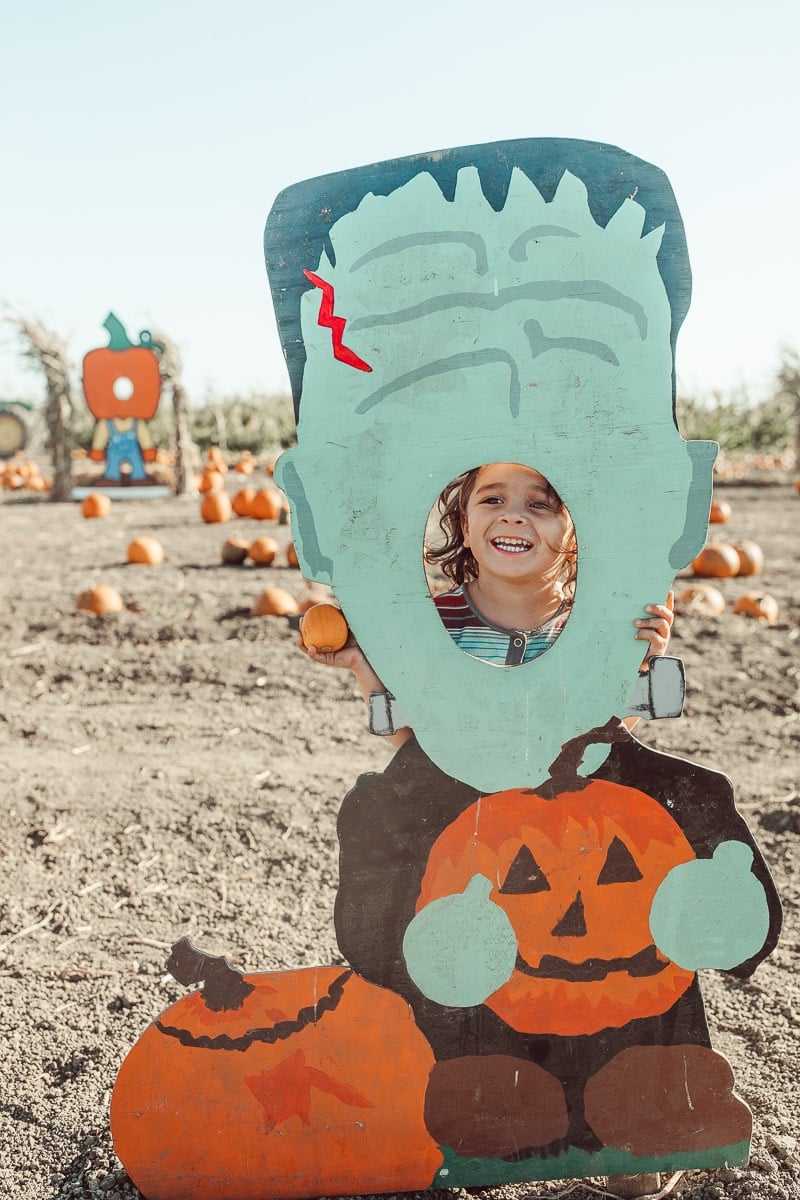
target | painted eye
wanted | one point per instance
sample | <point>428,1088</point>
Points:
<point>525,877</point>
<point>619,866</point>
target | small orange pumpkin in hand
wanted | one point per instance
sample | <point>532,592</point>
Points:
<point>324,628</point>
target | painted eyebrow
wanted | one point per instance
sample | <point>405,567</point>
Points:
<point>518,250</point>
<point>429,238</point>
<point>591,290</point>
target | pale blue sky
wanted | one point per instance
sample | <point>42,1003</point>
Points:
<point>143,144</point>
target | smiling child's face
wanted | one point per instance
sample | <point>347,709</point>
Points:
<point>515,527</point>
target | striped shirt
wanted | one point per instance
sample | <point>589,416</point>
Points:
<point>471,631</point>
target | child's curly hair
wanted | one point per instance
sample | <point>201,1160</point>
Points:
<point>457,560</point>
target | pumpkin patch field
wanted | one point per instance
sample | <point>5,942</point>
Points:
<point>175,768</point>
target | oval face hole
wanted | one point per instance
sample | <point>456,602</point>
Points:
<point>122,388</point>
<point>501,562</point>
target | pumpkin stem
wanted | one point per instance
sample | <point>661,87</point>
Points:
<point>564,769</point>
<point>225,987</point>
<point>118,338</point>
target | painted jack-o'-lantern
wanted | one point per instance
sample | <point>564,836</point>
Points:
<point>575,872</point>
<point>283,1089</point>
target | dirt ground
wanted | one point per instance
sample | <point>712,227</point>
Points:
<point>177,769</point>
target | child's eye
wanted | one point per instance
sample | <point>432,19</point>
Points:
<point>492,500</point>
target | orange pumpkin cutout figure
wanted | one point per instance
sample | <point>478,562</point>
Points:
<point>275,1085</point>
<point>122,386</point>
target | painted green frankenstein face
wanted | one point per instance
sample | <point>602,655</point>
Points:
<point>442,333</point>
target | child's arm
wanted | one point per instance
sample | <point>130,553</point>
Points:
<point>656,630</point>
<point>352,658</point>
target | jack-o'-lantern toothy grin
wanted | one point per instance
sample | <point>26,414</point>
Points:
<point>647,962</point>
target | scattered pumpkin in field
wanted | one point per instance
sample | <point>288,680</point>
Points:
<point>243,502</point>
<point>291,555</point>
<point>100,600</point>
<point>274,602</point>
<point>216,507</point>
<point>246,463</point>
<point>96,504</point>
<point>210,481</point>
<point>701,600</point>
<point>717,560</point>
<point>324,628</point>
<point>234,551</point>
<point>215,460</point>
<point>720,512</point>
<point>266,505</point>
<point>263,551</point>
<point>146,550</point>
<point>758,604</point>
<point>312,594</point>
<point>751,558</point>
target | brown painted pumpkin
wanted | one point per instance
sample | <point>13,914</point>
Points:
<point>96,504</point>
<point>274,602</point>
<point>215,507</point>
<point>758,604</point>
<point>291,1093</point>
<point>263,551</point>
<point>576,876</point>
<point>100,600</point>
<point>701,600</point>
<point>146,550</point>
<point>751,558</point>
<point>717,560</point>
<point>324,628</point>
<point>242,502</point>
<point>720,513</point>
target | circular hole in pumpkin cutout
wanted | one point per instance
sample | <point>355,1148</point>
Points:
<point>500,558</point>
<point>122,388</point>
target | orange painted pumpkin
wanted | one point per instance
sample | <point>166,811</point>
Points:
<point>274,602</point>
<point>576,876</point>
<point>717,560</point>
<point>146,550</point>
<point>751,558</point>
<point>721,512</point>
<point>100,600</point>
<point>215,507</point>
<point>102,369</point>
<point>758,604</point>
<point>243,501</point>
<point>263,551</point>
<point>267,505</point>
<point>324,628</point>
<point>96,504</point>
<point>291,1094</point>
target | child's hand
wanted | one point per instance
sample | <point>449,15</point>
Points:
<point>656,628</point>
<point>350,657</point>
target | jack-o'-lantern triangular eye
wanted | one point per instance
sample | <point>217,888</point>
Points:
<point>619,866</point>
<point>525,876</point>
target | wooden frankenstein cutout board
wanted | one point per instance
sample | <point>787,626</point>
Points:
<point>526,892</point>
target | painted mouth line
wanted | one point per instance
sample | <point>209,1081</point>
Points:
<point>646,962</point>
<point>512,545</point>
